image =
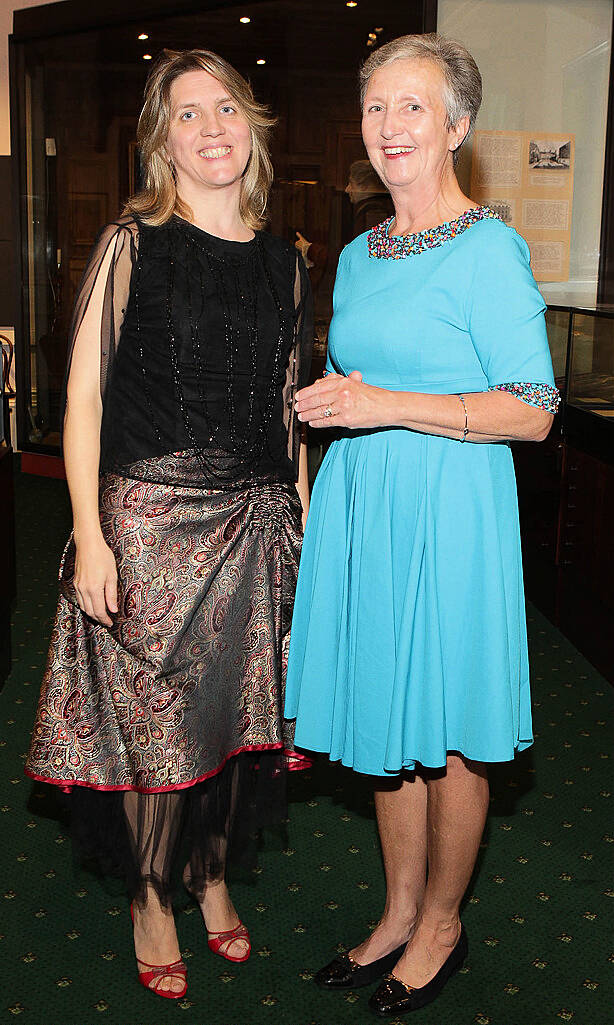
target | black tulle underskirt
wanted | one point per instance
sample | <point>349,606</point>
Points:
<point>191,836</point>
<point>166,730</point>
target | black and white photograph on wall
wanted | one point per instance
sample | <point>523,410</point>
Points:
<point>549,155</point>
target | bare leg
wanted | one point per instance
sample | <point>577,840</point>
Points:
<point>155,939</point>
<point>457,809</point>
<point>150,820</point>
<point>210,889</point>
<point>401,820</point>
<point>217,909</point>
<point>219,915</point>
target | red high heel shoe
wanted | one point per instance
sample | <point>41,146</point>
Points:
<point>216,940</point>
<point>152,978</point>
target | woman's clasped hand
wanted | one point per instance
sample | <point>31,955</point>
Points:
<point>336,401</point>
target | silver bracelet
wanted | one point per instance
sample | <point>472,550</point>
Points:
<point>466,427</point>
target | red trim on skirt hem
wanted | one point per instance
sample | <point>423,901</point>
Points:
<point>67,785</point>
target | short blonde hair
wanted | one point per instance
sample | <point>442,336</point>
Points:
<point>158,200</point>
<point>463,82</point>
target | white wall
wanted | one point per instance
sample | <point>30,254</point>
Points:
<point>6,27</point>
<point>545,67</point>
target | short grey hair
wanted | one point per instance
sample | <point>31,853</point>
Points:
<point>463,82</point>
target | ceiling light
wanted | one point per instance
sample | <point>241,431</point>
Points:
<point>261,60</point>
<point>351,3</point>
<point>378,30</point>
<point>146,56</point>
<point>143,35</point>
<point>245,21</point>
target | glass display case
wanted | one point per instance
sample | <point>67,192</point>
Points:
<point>582,348</point>
<point>558,321</point>
<point>591,363</point>
<point>566,487</point>
<point>7,532</point>
<point>77,78</point>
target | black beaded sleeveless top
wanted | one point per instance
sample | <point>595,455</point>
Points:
<point>203,342</point>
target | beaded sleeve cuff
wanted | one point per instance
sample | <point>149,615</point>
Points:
<point>543,396</point>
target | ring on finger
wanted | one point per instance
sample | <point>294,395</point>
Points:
<point>328,412</point>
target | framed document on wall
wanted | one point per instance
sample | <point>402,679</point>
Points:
<point>527,178</point>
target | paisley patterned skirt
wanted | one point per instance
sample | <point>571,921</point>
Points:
<point>192,672</point>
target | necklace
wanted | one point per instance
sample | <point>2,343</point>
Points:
<point>382,246</point>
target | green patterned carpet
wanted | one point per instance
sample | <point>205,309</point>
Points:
<point>538,915</point>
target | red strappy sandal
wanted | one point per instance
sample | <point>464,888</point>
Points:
<point>152,978</point>
<point>216,940</point>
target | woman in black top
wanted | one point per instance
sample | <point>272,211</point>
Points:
<point>160,711</point>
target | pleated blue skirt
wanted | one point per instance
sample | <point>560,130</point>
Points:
<point>409,635</point>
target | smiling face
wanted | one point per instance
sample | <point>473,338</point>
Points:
<point>209,139</point>
<point>404,123</point>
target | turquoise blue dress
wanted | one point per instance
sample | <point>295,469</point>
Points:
<point>409,635</point>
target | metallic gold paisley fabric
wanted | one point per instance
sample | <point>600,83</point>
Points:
<point>193,669</point>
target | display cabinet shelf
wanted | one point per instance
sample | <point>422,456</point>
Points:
<point>566,487</point>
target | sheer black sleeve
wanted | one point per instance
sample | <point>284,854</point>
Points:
<point>297,375</point>
<point>102,298</point>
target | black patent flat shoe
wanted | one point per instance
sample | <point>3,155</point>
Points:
<point>393,997</point>
<point>345,973</point>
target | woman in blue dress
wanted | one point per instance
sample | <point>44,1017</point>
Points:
<point>408,656</point>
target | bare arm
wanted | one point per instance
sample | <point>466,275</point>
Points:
<point>302,485</point>
<point>492,416</point>
<point>95,579</point>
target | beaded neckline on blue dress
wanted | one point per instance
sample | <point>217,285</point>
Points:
<point>383,246</point>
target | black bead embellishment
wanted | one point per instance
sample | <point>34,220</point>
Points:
<point>230,448</point>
